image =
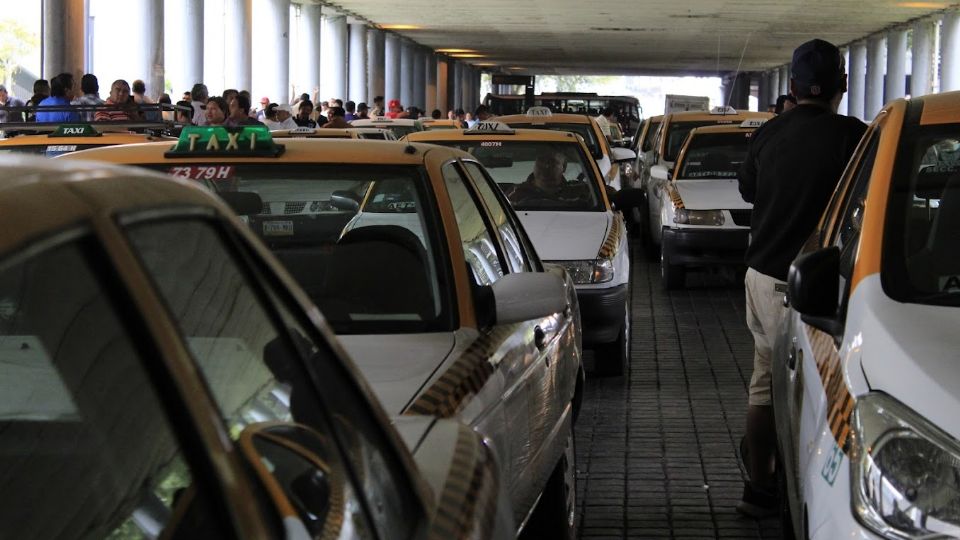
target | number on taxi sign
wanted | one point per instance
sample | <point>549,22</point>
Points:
<point>202,172</point>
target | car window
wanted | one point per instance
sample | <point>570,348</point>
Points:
<point>847,233</point>
<point>335,468</point>
<point>337,228</point>
<point>677,133</point>
<point>513,246</point>
<point>649,136</point>
<point>478,244</point>
<point>87,448</point>
<point>714,155</point>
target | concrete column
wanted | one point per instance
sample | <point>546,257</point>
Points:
<point>148,44</point>
<point>311,45</point>
<point>784,80</point>
<point>271,59</point>
<point>419,79</point>
<point>64,38</point>
<point>333,60</point>
<point>237,66</point>
<point>406,73</point>
<point>762,91</point>
<point>457,84</point>
<point>773,88</point>
<point>443,84</point>
<point>358,62</point>
<point>183,44</point>
<point>896,82</point>
<point>392,68</point>
<point>430,78</point>
<point>950,52</point>
<point>922,59</point>
<point>857,80</point>
<point>876,65</point>
<point>375,64</point>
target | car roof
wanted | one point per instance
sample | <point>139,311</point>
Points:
<point>321,133</point>
<point>520,134</point>
<point>383,120</point>
<point>107,138</point>
<point>554,118</point>
<point>723,128</point>
<point>701,116</point>
<point>943,108</point>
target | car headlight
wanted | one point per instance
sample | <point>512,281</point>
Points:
<point>905,472</point>
<point>698,217</point>
<point>584,272</point>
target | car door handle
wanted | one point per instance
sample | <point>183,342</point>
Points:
<point>540,338</point>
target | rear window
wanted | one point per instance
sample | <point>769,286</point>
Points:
<point>714,155</point>
<point>583,130</point>
<point>677,133</point>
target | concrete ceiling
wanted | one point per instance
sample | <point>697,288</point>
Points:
<point>634,36</point>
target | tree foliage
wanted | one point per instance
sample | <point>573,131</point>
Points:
<point>16,41</point>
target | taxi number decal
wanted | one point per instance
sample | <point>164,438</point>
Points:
<point>203,172</point>
<point>491,143</point>
<point>831,466</point>
<point>60,148</point>
<point>278,228</point>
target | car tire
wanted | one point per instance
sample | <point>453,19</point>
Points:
<point>672,276</point>
<point>611,358</point>
<point>555,514</point>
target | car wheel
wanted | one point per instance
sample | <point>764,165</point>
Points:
<point>672,276</point>
<point>611,358</point>
<point>555,514</point>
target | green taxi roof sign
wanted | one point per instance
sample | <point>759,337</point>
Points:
<point>217,141</point>
<point>75,130</point>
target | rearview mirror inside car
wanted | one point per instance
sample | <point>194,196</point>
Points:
<point>345,200</point>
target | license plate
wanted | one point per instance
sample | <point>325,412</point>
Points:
<point>278,228</point>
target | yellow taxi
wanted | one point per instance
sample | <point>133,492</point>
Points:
<point>609,159</point>
<point>643,144</point>
<point>423,270</point>
<point>163,377</point>
<point>866,383</point>
<point>399,126</point>
<point>67,138</point>
<point>377,134</point>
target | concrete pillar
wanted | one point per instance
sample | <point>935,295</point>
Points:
<point>64,38</point>
<point>922,58</point>
<point>950,52</point>
<point>375,64</point>
<point>406,73</point>
<point>430,78</point>
<point>147,42</point>
<point>419,79</point>
<point>896,82</point>
<point>784,80</point>
<point>857,80</point>
<point>443,84</point>
<point>358,62</point>
<point>762,91</point>
<point>876,65</point>
<point>271,59</point>
<point>333,59</point>
<point>774,86</point>
<point>183,21</point>
<point>237,66</point>
<point>457,84</point>
<point>311,46</point>
<point>392,68</point>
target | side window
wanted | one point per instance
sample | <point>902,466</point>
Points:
<point>478,244</point>
<point>516,257</point>
<point>87,446</point>
<point>316,441</point>
<point>846,235</point>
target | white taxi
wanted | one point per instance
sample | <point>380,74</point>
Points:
<point>866,379</point>
<point>399,126</point>
<point>569,217</point>
<point>426,275</point>
<point>697,214</point>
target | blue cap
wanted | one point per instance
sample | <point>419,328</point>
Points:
<point>817,68</point>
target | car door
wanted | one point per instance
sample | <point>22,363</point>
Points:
<point>506,409</point>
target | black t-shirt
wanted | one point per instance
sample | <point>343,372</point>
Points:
<point>793,165</point>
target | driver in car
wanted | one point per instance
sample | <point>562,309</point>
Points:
<point>547,183</point>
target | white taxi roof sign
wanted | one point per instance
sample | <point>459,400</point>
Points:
<point>382,119</point>
<point>723,110</point>
<point>539,111</point>
<point>481,128</point>
<point>753,122</point>
<point>302,130</point>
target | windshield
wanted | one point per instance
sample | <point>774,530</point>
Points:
<point>539,175</point>
<point>647,143</point>
<point>677,133</point>
<point>715,155</point>
<point>583,130</point>
<point>924,213</point>
<point>359,239</point>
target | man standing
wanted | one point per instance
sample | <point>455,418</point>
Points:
<point>604,121</point>
<point>792,167</point>
<point>6,100</point>
<point>61,92</point>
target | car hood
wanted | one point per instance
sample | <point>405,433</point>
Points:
<point>910,352</point>
<point>715,194</point>
<point>398,365</point>
<point>566,236</point>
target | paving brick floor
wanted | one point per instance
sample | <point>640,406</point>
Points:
<point>656,448</point>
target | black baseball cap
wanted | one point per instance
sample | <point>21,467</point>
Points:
<point>817,68</point>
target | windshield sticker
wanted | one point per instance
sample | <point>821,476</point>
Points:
<point>278,228</point>
<point>949,283</point>
<point>203,172</point>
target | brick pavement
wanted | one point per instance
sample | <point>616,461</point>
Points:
<point>656,448</point>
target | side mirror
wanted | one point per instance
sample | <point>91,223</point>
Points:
<point>660,172</point>
<point>528,295</point>
<point>622,154</point>
<point>812,286</point>
<point>243,203</point>
<point>345,200</point>
<point>670,173</point>
<point>628,198</point>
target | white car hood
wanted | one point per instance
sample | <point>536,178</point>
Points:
<point>398,365</point>
<point>714,194</point>
<point>566,236</point>
<point>912,352</point>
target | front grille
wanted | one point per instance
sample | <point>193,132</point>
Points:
<point>741,217</point>
<point>294,207</point>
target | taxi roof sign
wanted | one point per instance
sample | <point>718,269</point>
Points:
<point>302,130</point>
<point>382,119</point>
<point>539,111</point>
<point>248,141</point>
<point>481,128</point>
<point>75,130</point>
<point>727,109</point>
<point>753,122</point>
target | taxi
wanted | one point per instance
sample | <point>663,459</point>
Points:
<point>419,264</point>
<point>163,377</point>
<point>574,226</point>
<point>697,214</point>
<point>376,134</point>
<point>866,384</point>
<point>609,159</point>
<point>399,126</point>
<point>67,138</point>
<point>643,146</point>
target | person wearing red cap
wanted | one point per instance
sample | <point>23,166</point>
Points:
<point>261,113</point>
<point>395,110</point>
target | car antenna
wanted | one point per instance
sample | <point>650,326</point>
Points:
<point>737,73</point>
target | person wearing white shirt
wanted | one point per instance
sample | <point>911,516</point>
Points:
<point>279,117</point>
<point>604,120</point>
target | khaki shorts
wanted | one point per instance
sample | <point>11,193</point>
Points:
<point>765,311</point>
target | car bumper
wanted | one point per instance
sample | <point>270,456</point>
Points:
<point>704,246</point>
<point>602,313</point>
